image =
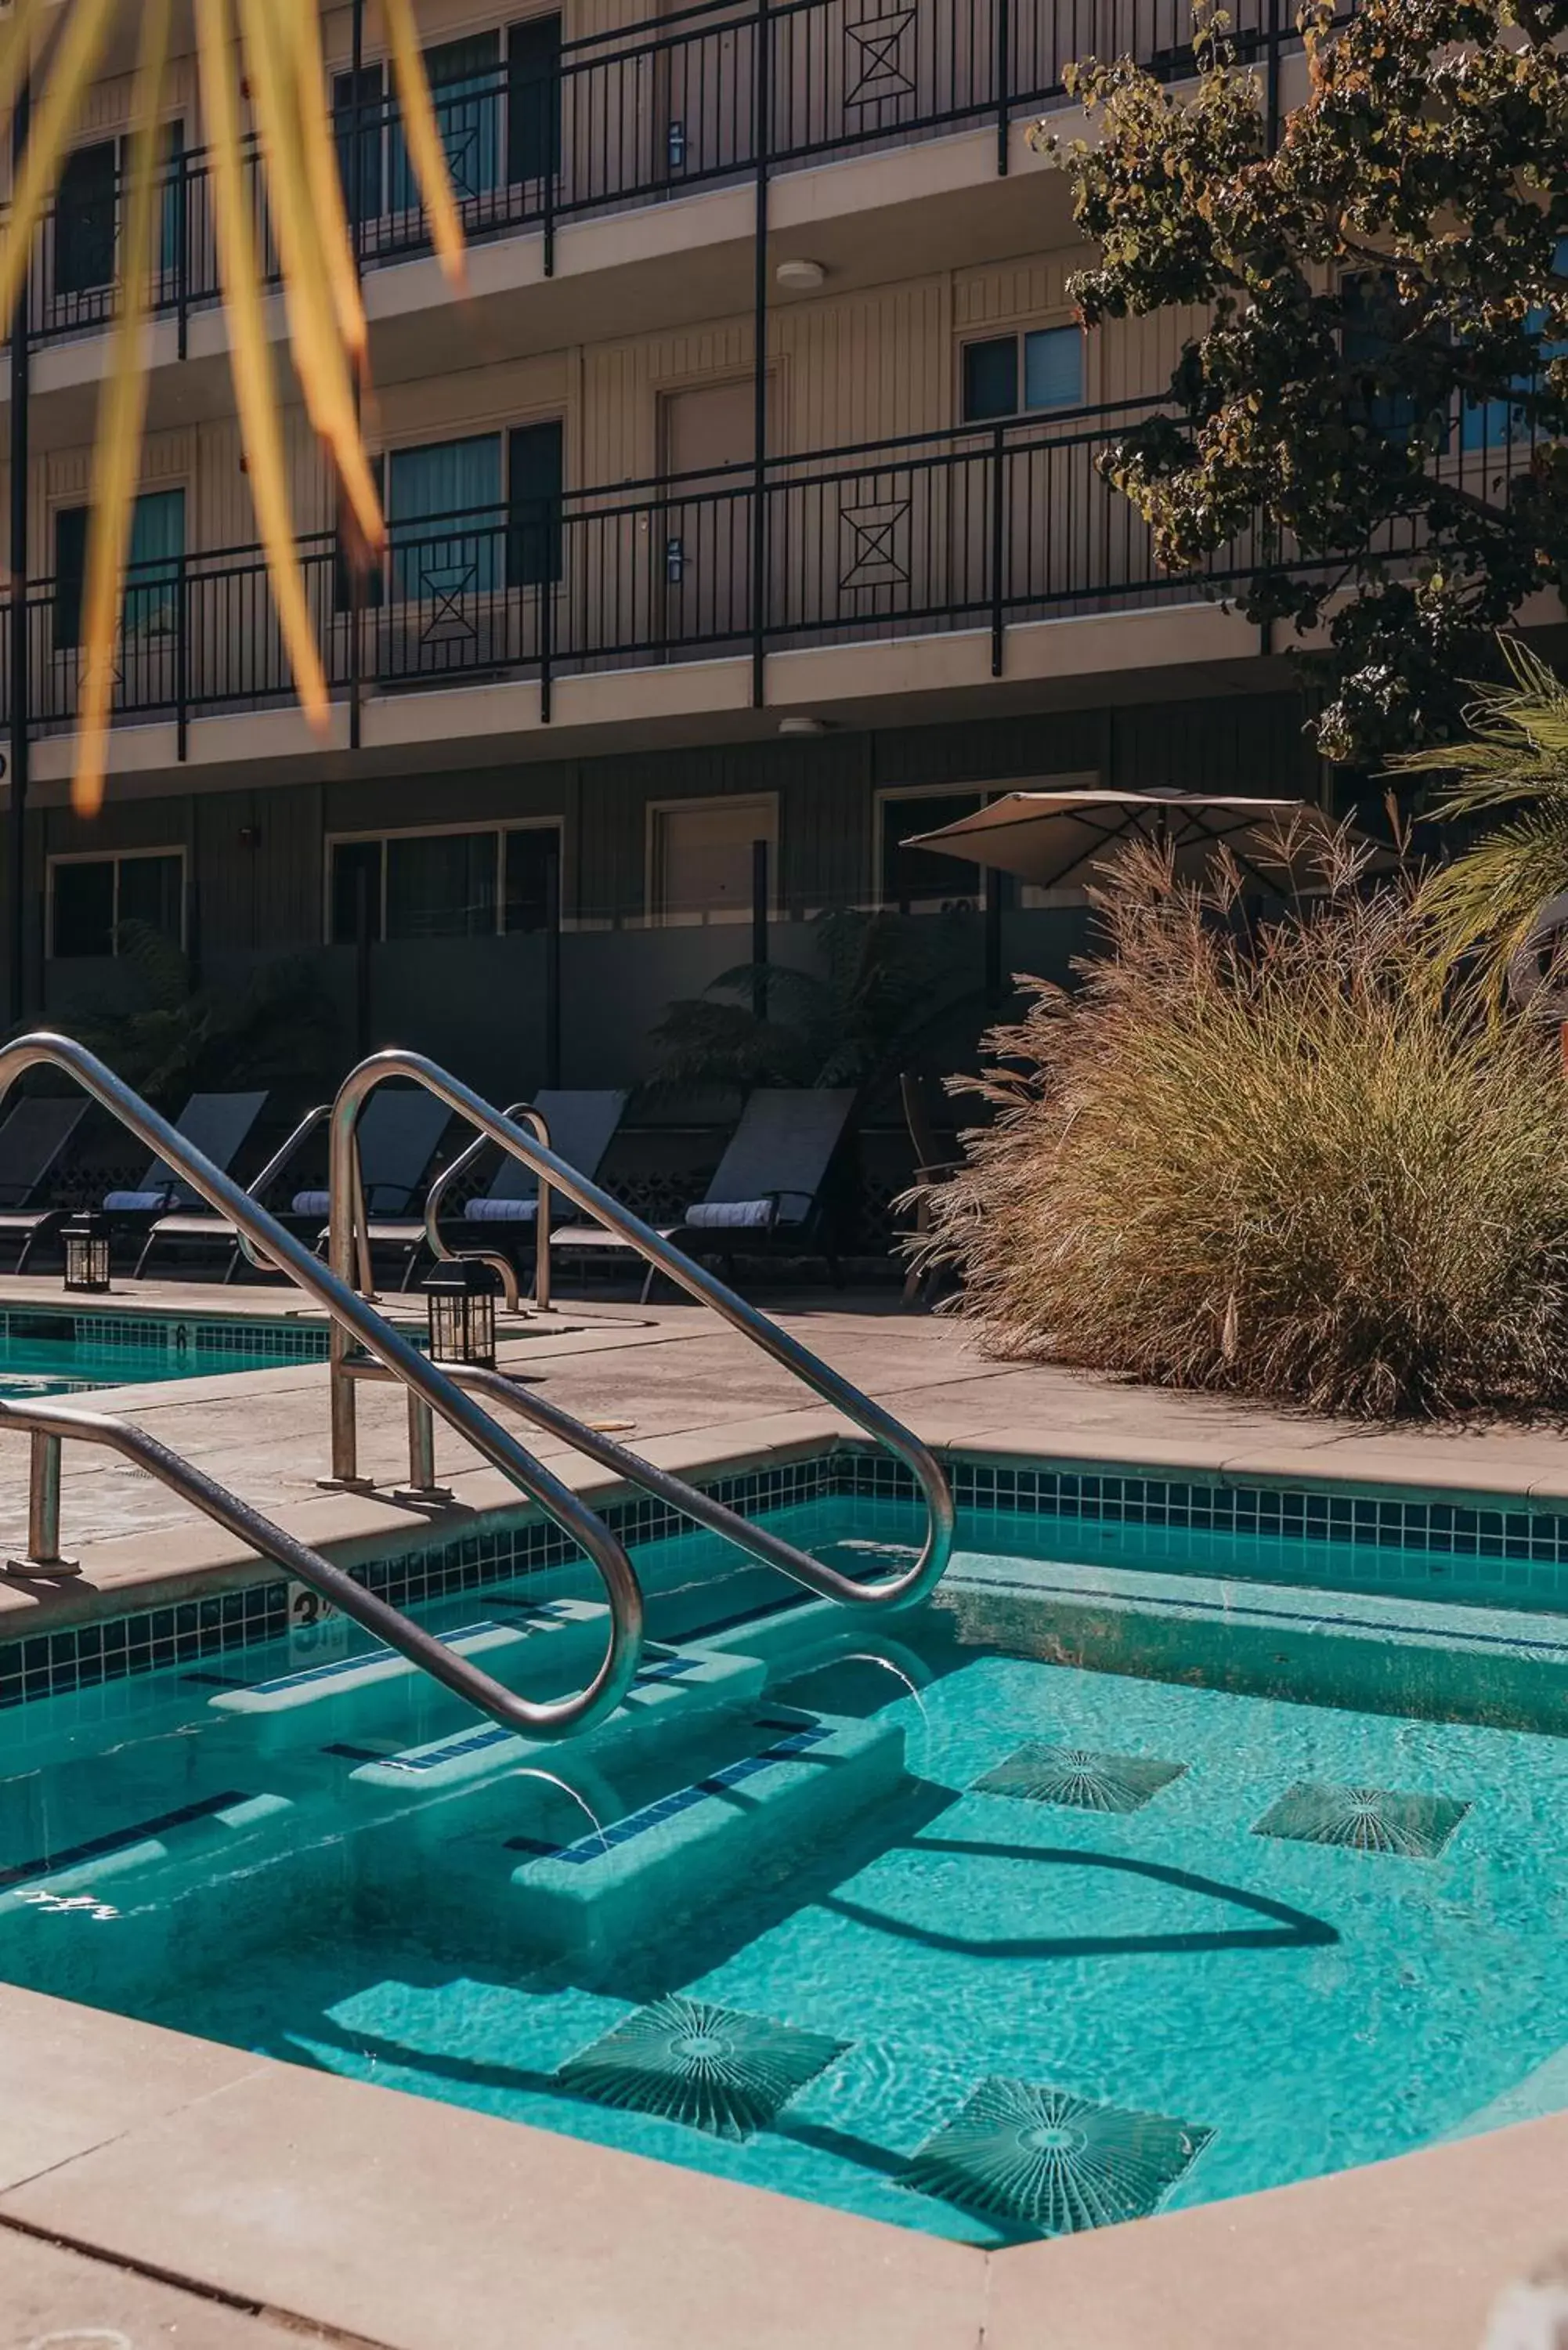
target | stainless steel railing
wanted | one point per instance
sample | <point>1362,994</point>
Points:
<point>521,1114</point>
<point>353,1322</point>
<point>346,1237</point>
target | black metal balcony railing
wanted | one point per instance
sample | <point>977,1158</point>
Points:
<point>975,527</point>
<point>978,527</point>
<point>643,114</point>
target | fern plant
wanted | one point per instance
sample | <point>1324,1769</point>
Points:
<point>177,1039</point>
<point>882,984</point>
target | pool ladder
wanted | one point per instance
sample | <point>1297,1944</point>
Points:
<point>365,1346</point>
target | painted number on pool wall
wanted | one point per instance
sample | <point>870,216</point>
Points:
<point>315,1628</point>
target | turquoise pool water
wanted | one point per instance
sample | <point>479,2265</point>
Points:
<point>68,1353</point>
<point>1047,1907</point>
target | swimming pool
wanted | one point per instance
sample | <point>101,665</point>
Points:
<point>1050,1905</point>
<point>48,1352</point>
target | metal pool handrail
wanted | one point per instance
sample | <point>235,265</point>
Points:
<point>916,1583</point>
<point>50,1424</point>
<point>430,1390</point>
<point>435,1200</point>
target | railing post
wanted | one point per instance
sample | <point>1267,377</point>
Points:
<point>759,929</point>
<point>763,107</point>
<point>546,592</point>
<point>182,252</point>
<point>182,663</point>
<point>1004,83</point>
<point>43,1512</point>
<point>422,1486</point>
<point>553,964</point>
<point>1272,73</point>
<point>20,642</point>
<point>998,542</point>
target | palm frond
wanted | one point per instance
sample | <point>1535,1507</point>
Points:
<point>57,47</point>
<point>119,453</point>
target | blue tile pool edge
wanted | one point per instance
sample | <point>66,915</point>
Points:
<point>182,1632</point>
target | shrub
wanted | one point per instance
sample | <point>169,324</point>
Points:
<point>1266,1157</point>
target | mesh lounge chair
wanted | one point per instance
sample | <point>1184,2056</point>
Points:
<point>209,1230</point>
<point>769,1194</point>
<point>33,1141</point>
<point>398,1132</point>
<point>581,1126</point>
<point>217,1126</point>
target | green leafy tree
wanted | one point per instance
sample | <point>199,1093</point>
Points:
<point>1374,408</point>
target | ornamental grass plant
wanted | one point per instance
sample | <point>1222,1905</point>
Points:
<point>1268,1156</point>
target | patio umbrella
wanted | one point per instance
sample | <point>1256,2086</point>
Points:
<point>1046,837</point>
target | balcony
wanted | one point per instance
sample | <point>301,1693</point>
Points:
<point>559,132</point>
<point>977,532</point>
<point>979,528</point>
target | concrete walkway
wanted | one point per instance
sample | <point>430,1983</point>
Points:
<point>694,1393</point>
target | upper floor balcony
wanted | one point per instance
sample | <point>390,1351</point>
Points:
<point>838,581</point>
<point>543,130</point>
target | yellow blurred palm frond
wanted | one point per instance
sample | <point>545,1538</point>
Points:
<point>262,75</point>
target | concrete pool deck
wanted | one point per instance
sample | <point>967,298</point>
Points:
<point>159,2188</point>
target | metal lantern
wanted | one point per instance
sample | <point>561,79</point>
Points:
<point>85,1242</point>
<point>460,1298</point>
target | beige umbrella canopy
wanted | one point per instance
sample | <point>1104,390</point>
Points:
<point>1047,838</point>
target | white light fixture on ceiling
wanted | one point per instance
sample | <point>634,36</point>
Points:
<point>801,722</point>
<point>800,276</point>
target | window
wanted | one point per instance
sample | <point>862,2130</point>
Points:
<point>152,577</point>
<point>449,516</point>
<point>924,881</point>
<point>350,555</point>
<point>532,855</point>
<point>700,857</point>
<point>920,880</point>
<point>465,884</point>
<point>362,193</point>
<point>467,91</point>
<point>92,897</point>
<point>430,492</point>
<point>1372,342</point>
<point>533,464</point>
<point>1045,367</point>
<point>441,884</point>
<point>1493,423</point>
<point>87,215</point>
<point>533,99</point>
<point>85,219</point>
<point>356,890</point>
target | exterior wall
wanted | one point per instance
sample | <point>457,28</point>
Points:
<point>256,869</point>
<point>877,364</point>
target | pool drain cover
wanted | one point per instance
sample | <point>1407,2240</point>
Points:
<point>1041,2160</point>
<point>1363,1819</point>
<point>1045,1773</point>
<point>711,2067</point>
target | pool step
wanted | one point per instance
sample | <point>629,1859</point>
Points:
<point>799,1777</point>
<point>562,1637</point>
<point>673,1688</point>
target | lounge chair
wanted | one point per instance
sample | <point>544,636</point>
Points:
<point>398,1132</point>
<point>581,1126</point>
<point>217,1125</point>
<point>187,1229</point>
<point>33,1141</point>
<point>770,1194</point>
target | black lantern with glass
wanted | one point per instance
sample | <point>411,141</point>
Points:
<point>85,1239</point>
<point>460,1298</point>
